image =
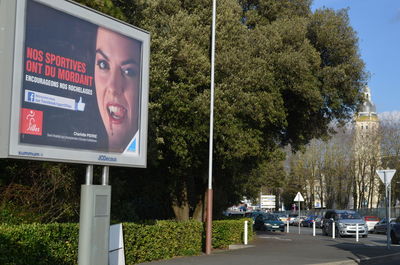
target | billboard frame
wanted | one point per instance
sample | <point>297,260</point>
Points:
<point>12,51</point>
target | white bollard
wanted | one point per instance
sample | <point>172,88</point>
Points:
<point>333,230</point>
<point>245,232</point>
<point>287,225</point>
<point>356,232</point>
<point>313,227</point>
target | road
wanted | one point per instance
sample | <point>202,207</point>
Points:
<point>294,248</point>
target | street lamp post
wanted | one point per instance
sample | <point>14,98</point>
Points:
<point>209,190</point>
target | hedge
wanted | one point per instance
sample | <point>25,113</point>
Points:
<point>49,244</point>
<point>39,244</point>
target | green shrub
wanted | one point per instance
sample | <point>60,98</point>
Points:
<point>38,244</point>
<point>50,244</point>
<point>228,232</point>
<point>163,240</point>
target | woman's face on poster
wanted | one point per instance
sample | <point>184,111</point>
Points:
<point>117,77</point>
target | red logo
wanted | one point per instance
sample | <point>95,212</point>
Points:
<point>31,121</point>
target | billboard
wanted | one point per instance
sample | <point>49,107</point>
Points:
<point>267,201</point>
<point>78,86</point>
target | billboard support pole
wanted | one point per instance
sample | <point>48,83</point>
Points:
<point>89,175</point>
<point>210,191</point>
<point>94,220</point>
<point>104,176</point>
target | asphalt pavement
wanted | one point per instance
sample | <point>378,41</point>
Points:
<point>294,248</point>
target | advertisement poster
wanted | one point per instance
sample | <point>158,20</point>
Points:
<point>81,84</point>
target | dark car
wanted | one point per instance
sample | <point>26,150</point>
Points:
<point>318,221</point>
<point>268,222</point>
<point>395,231</point>
<point>308,222</point>
<point>253,215</point>
<point>381,226</point>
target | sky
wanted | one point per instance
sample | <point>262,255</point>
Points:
<point>377,23</point>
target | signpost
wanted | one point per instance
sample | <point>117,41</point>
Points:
<point>386,177</point>
<point>299,198</point>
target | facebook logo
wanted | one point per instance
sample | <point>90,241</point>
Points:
<point>31,96</point>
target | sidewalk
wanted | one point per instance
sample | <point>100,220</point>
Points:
<point>282,248</point>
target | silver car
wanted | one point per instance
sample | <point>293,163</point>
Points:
<point>345,223</point>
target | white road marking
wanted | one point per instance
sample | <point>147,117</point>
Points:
<point>275,237</point>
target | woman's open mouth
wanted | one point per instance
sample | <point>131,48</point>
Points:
<point>116,112</point>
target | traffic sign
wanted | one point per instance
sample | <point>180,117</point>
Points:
<point>298,198</point>
<point>389,173</point>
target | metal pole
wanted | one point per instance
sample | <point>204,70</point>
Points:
<point>299,215</point>
<point>89,175</point>
<point>333,229</point>
<point>390,199</point>
<point>210,191</point>
<point>245,232</point>
<point>105,176</point>
<point>387,212</point>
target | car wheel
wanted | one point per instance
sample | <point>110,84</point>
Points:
<point>364,236</point>
<point>282,230</point>
<point>395,240</point>
<point>324,233</point>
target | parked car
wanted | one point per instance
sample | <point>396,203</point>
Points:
<point>253,215</point>
<point>345,223</point>
<point>298,220</point>
<point>235,214</point>
<point>381,226</point>
<point>395,231</point>
<point>308,222</point>
<point>371,221</point>
<point>318,221</point>
<point>269,222</point>
<point>292,217</point>
<point>282,216</point>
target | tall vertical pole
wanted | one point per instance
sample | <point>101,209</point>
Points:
<point>387,211</point>
<point>105,176</point>
<point>299,215</point>
<point>390,199</point>
<point>210,191</point>
<point>89,175</point>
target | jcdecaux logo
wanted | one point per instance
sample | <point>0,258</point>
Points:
<point>107,158</point>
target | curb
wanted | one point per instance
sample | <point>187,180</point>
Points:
<point>233,247</point>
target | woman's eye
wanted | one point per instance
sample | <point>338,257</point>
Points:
<point>103,64</point>
<point>129,72</point>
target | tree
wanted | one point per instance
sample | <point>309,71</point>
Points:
<point>283,74</point>
<point>323,170</point>
<point>35,191</point>
<point>390,149</point>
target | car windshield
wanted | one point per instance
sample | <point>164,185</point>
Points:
<point>271,218</point>
<point>348,215</point>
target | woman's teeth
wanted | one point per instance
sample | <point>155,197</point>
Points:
<point>116,112</point>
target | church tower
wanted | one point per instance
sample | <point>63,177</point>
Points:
<point>366,155</point>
